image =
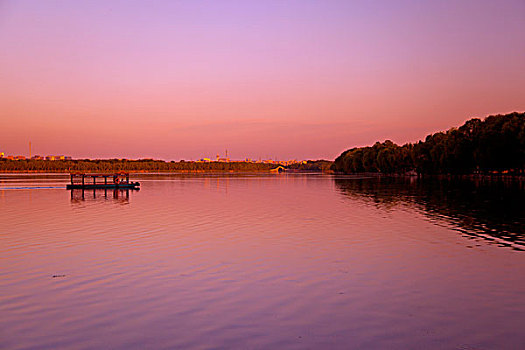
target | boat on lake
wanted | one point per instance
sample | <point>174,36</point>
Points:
<point>107,181</point>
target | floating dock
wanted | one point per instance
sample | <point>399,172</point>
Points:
<point>104,181</point>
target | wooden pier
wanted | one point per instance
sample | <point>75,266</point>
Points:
<point>107,181</point>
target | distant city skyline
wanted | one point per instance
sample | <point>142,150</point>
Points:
<point>263,79</point>
<point>206,158</point>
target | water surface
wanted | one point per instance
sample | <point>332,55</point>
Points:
<point>262,261</point>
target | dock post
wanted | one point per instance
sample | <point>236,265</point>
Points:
<point>82,182</point>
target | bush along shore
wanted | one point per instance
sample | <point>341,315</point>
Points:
<point>495,145</point>
<point>150,165</point>
<point>117,165</point>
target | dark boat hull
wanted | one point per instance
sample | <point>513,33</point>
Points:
<point>132,186</point>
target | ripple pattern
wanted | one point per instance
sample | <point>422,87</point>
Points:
<point>246,262</point>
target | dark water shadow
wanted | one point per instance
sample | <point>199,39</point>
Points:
<point>484,208</point>
<point>118,196</point>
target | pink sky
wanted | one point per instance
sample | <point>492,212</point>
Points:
<point>269,79</point>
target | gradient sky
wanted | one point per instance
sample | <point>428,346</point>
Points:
<point>280,79</point>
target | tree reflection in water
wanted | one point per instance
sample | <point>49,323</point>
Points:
<point>489,208</point>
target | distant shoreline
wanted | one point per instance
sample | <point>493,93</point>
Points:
<point>154,166</point>
<point>487,176</point>
<point>130,171</point>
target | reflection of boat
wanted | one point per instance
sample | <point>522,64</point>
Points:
<point>96,194</point>
<point>104,181</point>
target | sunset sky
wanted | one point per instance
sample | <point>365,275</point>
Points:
<point>270,79</point>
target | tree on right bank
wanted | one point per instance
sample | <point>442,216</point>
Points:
<point>495,144</point>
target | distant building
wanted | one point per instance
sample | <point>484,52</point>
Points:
<point>20,158</point>
<point>37,157</point>
<point>61,157</point>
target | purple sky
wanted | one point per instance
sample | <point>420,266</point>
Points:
<point>279,79</point>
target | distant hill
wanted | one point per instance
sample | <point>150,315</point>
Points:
<point>495,144</point>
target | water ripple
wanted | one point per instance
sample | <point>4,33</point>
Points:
<point>280,261</point>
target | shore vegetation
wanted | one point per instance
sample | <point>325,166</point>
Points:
<point>493,145</point>
<point>117,165</point>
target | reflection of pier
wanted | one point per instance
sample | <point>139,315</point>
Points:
<point>119,195</point>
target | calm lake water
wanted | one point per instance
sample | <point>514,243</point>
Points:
<point>262,262</point>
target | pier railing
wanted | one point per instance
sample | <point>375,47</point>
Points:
<point>81,179</point>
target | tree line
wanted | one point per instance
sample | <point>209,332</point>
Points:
<point>320,165</point>
<point>117,165</point>
<point>495,144</point>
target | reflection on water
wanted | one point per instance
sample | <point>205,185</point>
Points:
<point>32,181</point>
<point>249,261</point>
<point>117,195</point>
<point>487,208</point>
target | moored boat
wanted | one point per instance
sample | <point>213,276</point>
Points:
<point>109,181</point>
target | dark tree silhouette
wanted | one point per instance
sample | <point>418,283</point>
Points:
<point>496,144</point>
